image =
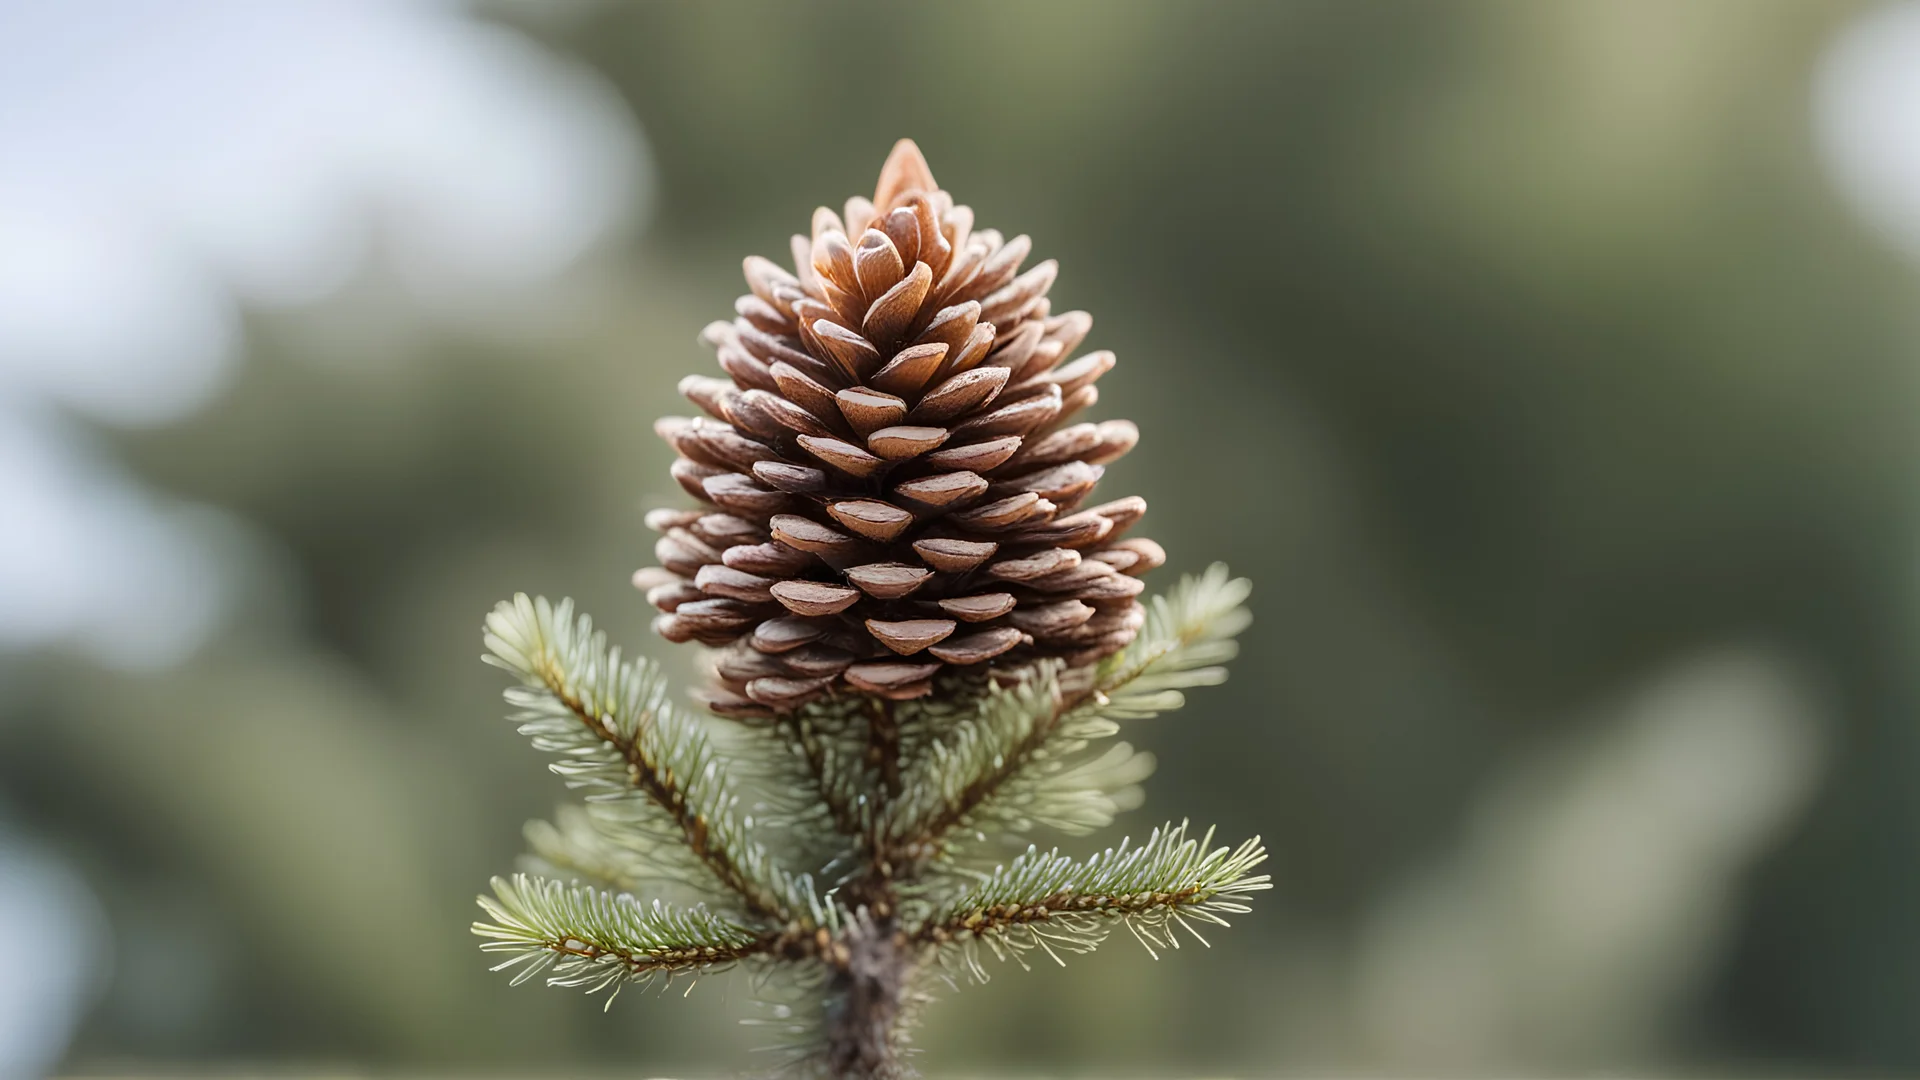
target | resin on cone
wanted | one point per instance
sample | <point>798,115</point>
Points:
<point>893,471</point>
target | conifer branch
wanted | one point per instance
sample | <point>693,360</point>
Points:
<point>1015,762</point>
<point>1058,905</point>
<point>610,722</point>
<point>584,937</point>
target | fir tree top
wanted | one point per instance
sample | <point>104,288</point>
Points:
<point>925,650</point>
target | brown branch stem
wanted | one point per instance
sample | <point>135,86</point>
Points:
<point>883,748</point>
<point>666,960</point>
<point>646,776</point>
<point>979,922</point>
<point>789,944</point>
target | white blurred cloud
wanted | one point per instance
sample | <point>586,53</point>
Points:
<point>165,162</point>
<point>1866,112</point>
<point>44,902</point>
<point>90,556</point>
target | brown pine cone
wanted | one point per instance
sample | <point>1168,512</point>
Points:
<point>892,479</point>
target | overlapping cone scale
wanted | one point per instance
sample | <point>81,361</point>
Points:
<point>894,472</point>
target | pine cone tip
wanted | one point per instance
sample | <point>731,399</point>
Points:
<point>905,170</point>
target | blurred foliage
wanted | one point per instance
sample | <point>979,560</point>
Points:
<point>1516,351</point>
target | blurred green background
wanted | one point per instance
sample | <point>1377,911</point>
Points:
<point>1529,357</point>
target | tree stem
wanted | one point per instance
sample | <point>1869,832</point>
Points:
<point>883,750</point>
<point>867,993</point>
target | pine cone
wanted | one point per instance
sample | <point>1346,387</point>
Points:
<point>891,477</point>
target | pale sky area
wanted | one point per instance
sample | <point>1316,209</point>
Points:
<point>162,166</point>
